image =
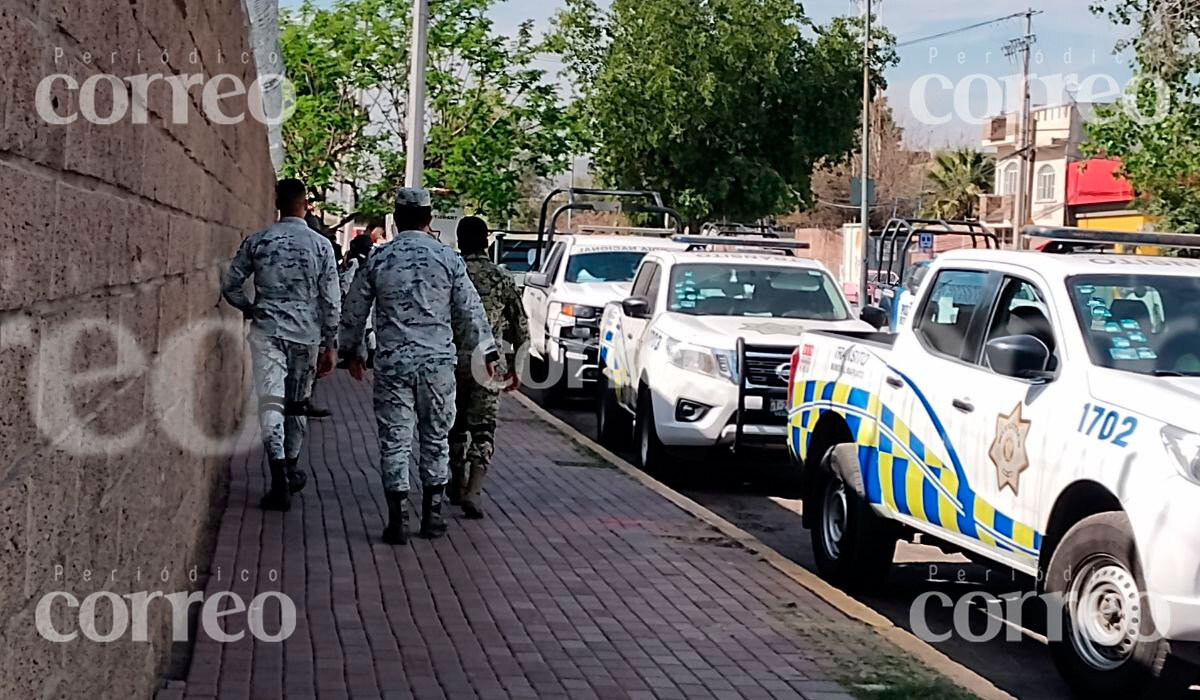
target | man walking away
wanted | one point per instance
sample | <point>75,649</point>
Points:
<point>295,312</point>
<point>473,438</point>
<point>425,306</point>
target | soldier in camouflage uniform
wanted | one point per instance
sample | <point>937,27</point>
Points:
<point>293,319</point>
<point>425,307</point>
<point>473,438</point>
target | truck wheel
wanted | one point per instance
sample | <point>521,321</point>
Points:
<point>612,421</point>
<point>1108,647</point>
<point>650,452</point>
<point>852,545</point>
<point>541,371</point>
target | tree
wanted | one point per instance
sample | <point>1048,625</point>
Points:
<point>726,106</point>
<point>495,118</point>
<point>957,180</point>
<point>1152,129</point>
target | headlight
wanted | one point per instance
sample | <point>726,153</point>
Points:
<point>702,360</point>
<point>580,311</point>
<point>1184,448</point>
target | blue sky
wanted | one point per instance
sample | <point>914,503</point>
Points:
<point>1074,51</point>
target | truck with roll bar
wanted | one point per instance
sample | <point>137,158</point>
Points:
<point>574,276</point>
<point>697,355</point>
<point>1039,411</point>
<point>894,273</point>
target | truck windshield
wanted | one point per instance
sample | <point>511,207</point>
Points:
<point>755,290</point>
<point>610,266</point>
<point>1148,324</point>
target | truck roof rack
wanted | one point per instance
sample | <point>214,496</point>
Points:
<point>645,202</point>
<point>1084,240</point>
<point>906,231</point>
<point>762,243</point>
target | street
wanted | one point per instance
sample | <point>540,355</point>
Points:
<point>1023,668</point>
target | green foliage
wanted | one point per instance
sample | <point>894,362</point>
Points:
<point>957,180</point>
<point>1153,128</point>
<point>494,118</point>
<point>726,106</point>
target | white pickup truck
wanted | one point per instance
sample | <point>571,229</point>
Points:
<point>564,299</point>
<point>1038,411</point>
<point>698,356</point>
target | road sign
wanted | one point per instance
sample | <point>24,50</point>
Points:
<point>925,242</point>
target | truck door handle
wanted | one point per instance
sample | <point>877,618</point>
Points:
<point>964,406</point>
<point>895,383</point>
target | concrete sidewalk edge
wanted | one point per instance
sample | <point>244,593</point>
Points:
<point>905,640</point>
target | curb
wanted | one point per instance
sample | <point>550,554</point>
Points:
<point>848,606</point>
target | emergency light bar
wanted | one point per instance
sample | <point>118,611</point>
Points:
<point>698,242</point>
<point>1085,235</point>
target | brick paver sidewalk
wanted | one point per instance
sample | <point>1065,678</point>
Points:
<point>582,583</point>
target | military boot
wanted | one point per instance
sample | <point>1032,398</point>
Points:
<point>456,489</point>
<point>396,531</point>
<point>279,497</point>
<point>432,523</point>
<point>297,478</point>
<point>473,501</point>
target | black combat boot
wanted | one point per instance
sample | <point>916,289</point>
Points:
<point>432,524</point>
<point>279,497</point>
<point>396,531</point>
<point>454,492</point>
<point>297,478</point>
<point>471,504</point>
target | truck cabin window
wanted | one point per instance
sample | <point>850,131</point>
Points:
<point>1147,324</point>
<point>604,266</point>
<point>950,308</point>
<point>714,289</point>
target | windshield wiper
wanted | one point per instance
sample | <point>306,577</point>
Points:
<point>1173,373</point>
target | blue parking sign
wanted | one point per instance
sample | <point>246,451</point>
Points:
<point>925,242</point>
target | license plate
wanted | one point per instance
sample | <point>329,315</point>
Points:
<point>779,407</point>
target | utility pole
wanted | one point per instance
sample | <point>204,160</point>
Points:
<point>414,171</point>
<point>1023,197</point>
<point>863,301</point>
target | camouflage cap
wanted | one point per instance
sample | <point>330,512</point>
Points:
<point>413,197</point>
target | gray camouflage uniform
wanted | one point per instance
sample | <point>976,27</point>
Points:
<point>297,303</point>
<point>425,307</point>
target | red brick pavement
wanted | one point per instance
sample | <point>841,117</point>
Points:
<point>582,583</point>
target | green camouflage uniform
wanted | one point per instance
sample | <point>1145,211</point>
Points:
<point>473,438</point>
<point>296,306</point>
<point>425,309</point>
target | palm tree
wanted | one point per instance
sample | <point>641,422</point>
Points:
<point>957,179</point>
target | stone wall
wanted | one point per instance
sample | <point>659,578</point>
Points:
<point>112,239</point>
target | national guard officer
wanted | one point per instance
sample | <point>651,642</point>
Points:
<point>294,316</point>
<point>473,438</point>
<point>425,307</point>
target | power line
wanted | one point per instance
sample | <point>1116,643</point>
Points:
<point>959,31</point>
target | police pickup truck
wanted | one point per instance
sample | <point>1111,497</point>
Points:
<point>698,355</point>
<point>1038,411</point>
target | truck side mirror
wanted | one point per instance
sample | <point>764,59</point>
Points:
<point>537,279</point>
<point>636,307</point>
<point>1019,356</point>
<point>875,316</point>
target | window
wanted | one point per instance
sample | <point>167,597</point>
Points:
<point>712,289</point>
<point>641,284</point>
<point>551,263</point>
<point>1011,175</point>
<point>652,291</point>
<point>953,304</point>
<point>1047,181</point>
<point>607,266</point>
<point>1143,323</point>
<point>1022,310</point>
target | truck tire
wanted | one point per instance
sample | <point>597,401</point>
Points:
<point>852,545</point>
<point>650,452</point>
<point>540,371</point>
<point>613,426</point>
<point>1108,648</point>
